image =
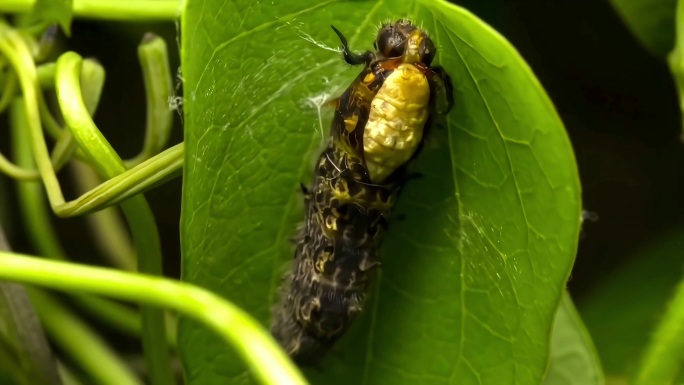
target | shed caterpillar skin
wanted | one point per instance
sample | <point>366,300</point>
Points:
<point>377,127</point>
<point>336,251</point>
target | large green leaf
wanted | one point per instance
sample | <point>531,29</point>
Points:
<point>651,21</point>
<point>623,310</point>
<point>574,360</point>
<point>473,273</point>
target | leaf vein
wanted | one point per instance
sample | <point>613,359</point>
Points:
<point>261,27</point>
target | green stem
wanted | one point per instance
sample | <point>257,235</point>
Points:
<point>53,128</point>
<point>121,317</point>
<point>46,75</point>
<point>42,235</point>
<point>154,60</point>
<point>100,153</point>
<point>32,204</point>
<point>144,176</point>
<point>8,91</point>
<point>663,357</point>
<point>92,82</point>
<point>15,50</point>
<point>264,357</point>
<point>63,151</point>
<point>108,228</point>
<point>125,10</point>
<point>68,377</point>
<point>136,210</point>
<point>80,342</point>
<point>13,171</point>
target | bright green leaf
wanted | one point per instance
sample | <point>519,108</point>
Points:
<point>54,11</point>
<point>573,357</point>
<point>622,312</point>
<point>651,21</point>
<point>473,273</point>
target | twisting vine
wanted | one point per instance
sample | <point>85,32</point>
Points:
<point>79,143</point>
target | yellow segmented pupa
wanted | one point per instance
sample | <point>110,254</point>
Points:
<point>395,125</point>
<point>400,109</point>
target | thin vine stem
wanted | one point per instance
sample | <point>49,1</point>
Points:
<point>136,210</point>
<point>146,175</point>
<point>167,165</point>
<point>82,343</point>
<point>109,230</point>
<point>14,49</point>
<point>264,357</point>
<point>125,10</point>
<point>17,172</point>
<point>44,238</point>
<point>9,88</point>
<point>154,61</point>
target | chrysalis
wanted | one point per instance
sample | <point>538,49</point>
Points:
<point>377,128</point>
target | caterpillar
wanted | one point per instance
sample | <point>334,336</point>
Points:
<point>377,128</point>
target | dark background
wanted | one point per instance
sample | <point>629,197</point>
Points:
<point>617,101</point>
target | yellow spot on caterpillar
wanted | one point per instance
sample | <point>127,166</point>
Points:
<point>350,124</point>
<point>341,192</point>
<point>320,263</point>
<point>331,223</point>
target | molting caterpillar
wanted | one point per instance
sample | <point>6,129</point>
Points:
<point>377,128</point>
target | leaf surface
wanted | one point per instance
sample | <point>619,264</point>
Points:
<point>623,310</point>
<point>475,265</point>
<point>574,360</point>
